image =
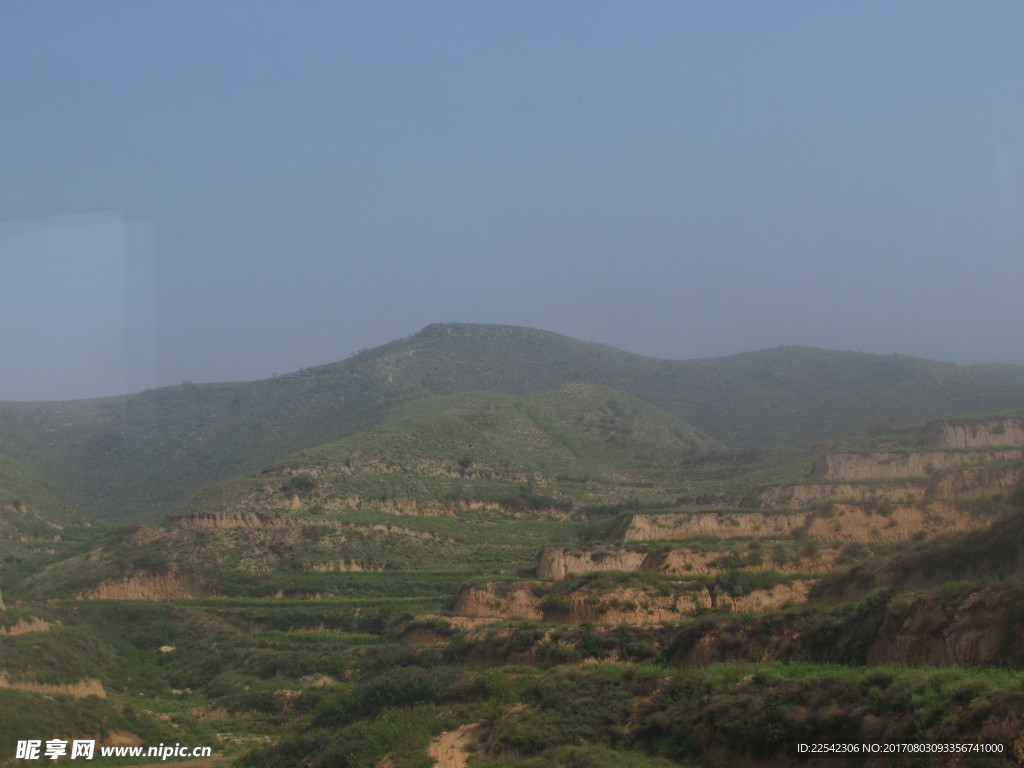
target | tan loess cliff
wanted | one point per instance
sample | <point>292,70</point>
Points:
<point>723,525</point>
<point>622,605</point>
<point>632,605</point>
<point>901,466</point>
<point>340,566</point>
<point>839,523</point>
<point>555,563</point>
<point>903,522</point>
<point>995,432</point>
<point>967,482</point>
<point>682,562</point>
<point>24,626</point>
<point>232,520</point>
<point>800,496</point>
<point>515,600</point>
<point>169,586</point>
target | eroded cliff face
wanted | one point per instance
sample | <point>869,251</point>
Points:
<point>982,628</point>
<point>902,466</point>
<point>24,626</point>
<point>798,496</point>
<point>624,605</point>
<point>723,525</point>
<point>995,432</point>
<point>839,523</point>
<point>554,563</point>
<point>79,690</point>
<point>170,586</point>
<point>968,482</point>
<point>515,600</point>
<point>340,566</point>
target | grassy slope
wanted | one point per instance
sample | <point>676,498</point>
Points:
<point>135,456</point>
<point>36,525</point>
<point>483,472</point>
<point>390,697</point>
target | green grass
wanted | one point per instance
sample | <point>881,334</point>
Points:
<point>139,455</point>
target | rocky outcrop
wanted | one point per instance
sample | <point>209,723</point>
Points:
<point>633,605</point>
<point>908,522</point>
<point>623,605</point>
<point>967,482</point>
<point>996,432</point>
<point>169,586</point>
<point>901,466</point>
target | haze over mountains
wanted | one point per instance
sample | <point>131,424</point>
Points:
<point>281,557</point>
<point>136,456</point>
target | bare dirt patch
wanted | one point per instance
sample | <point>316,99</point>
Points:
<point>449,749</point>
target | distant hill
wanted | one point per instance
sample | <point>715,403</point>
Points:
<point>136,456</point>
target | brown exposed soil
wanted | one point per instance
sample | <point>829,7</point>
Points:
<point>554,563</point>
<point>981,435</point>
<point>170,586</point>
<point>22,626</point>
<point>842,522</point>
<point>79,690</point>
<point>449,749</point>
<point>516,600</point>
<point>972,630</point>
<point>625,605</point>
<point>902,466</point>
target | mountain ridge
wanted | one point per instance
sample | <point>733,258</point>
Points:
<point>135,456</point>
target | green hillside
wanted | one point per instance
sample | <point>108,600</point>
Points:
<point>454,546</point>
<point>476,482</point>
<point>135,457</point>
<point>36,525</point>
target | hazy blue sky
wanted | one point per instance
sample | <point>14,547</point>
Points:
<point>213,191</point>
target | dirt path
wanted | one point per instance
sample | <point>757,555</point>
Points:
<point>449,749</point>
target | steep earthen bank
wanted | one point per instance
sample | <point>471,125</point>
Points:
<point>555,563</point>
<point>798,496</point>
<point>994,432</point>
<point>724,525</point>
<point>170,586</point>
<point>841,522</point>
<point>846,467</point>
<point>968,481</point>
<point>623,605</point>
<point>24,626</point>
<point>232,520</point>
<point>512,600</point>
<point>76,690</point>
<point>977,628</point>
<point>632,605</point>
